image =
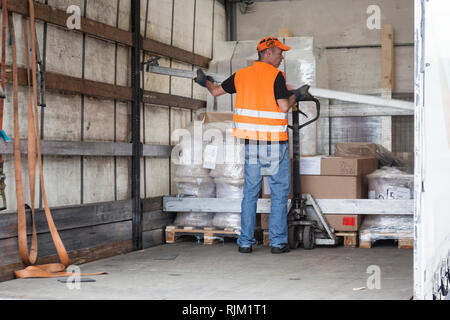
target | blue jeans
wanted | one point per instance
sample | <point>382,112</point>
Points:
<point>273,161</point>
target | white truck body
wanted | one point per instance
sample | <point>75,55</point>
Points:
<point>432,149</point>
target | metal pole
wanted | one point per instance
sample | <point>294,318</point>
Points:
<point>136,124</point>
<point>359,98</point>
<point>317,92</point>
<point>296,153</point>
<point>230,9</point>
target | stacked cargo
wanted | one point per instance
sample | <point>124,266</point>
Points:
<point>389,183</point>
<point>219,175</point>
<point>338,178</point>
<point>327,177</point>
<point>394,181</point>
<point>227,170</point>
<point>192,180</point>
<point>229,179</point>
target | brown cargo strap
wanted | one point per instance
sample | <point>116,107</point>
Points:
<point>29,259</point>
<point>2,100</point>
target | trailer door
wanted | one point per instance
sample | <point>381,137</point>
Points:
<point>432,148</point>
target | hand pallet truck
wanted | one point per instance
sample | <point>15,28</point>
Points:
<point>306,223</point>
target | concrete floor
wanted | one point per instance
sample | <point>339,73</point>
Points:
<point>187,270</point>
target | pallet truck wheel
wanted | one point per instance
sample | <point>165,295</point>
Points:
<point>293,240</point>
<point>308,238</point>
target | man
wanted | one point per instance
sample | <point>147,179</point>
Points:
<point>260,117</point>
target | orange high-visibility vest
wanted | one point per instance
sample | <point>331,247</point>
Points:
<point>257,115</point>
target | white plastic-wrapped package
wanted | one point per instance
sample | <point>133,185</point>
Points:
<point>194,219</point>
<point>380,227</point>
<point>227,221</point>
<point>201,187</point>
<point>299,63</point>
<point>389,183</point>
<point>221,126</point>
<point>229,188</point>
<point>192,171</point>
<point>189,145</point>
<point>229,150</point>
<point>232,171</point>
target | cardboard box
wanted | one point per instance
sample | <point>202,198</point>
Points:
<point>337,166</point>
<point>332,167</point>
<point>348,166</point>
<point>218,117</point>
<point>334,187</point>
<point>310,165</point>
<point>351,222</point>
<point>358,149</point>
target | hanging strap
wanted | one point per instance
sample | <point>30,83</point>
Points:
<point>21,215</point>
<point>3,69</point>
<point>2,101</point>
<point>31,151</point>
<point>48,270</point>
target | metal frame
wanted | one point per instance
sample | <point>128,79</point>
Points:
<point>320,206</point>
<point>327,206</point>
<point>136,124</point>
<point>406,106</point>
<point>82,148</point>
<point>319,213</point>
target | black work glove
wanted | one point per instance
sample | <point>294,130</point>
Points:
<point>302,93</point>
<point>202,77</point>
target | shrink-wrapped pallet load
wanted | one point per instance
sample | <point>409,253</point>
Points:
<point>389,183</point>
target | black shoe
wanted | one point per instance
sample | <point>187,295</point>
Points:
<point>277,250</point>
<point>245,249</point>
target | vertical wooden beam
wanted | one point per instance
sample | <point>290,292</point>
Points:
<point>387,60</point>
<point>387,80</point>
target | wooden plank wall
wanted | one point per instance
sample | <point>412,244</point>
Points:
<point>90,194</point>
<point>89,232</point>
<point>192,25</point>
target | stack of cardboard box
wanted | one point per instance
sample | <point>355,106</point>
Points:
<point>332,178</point>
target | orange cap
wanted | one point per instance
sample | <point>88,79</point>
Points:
<point>269,42</point>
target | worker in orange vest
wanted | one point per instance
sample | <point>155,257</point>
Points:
<point>263,101</point>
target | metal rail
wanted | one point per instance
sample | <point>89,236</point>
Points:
<point>317,92</point>
<point>327,206</point>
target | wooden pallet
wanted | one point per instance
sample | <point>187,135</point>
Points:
<point>350,238</point>
<point>404,242</point>
<point>209,235</point>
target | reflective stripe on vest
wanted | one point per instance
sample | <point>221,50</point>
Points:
<point>257,115</point>
<point>259,127</point>
<point>260,135</point>
<point>260,114</point>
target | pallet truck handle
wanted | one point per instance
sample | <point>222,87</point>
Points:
<point>317,102</point>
